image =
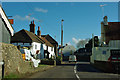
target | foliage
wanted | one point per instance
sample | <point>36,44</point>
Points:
<point>96,42</point>
<point>42,65</point>
<point>58,58</point>
<point>12,75</point>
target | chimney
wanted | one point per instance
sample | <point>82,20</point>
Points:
<point>32,27</point>
<point>105,20</point>
<point>39,32</point>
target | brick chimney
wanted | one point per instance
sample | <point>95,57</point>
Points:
<point>32,27</point>
<point>39,32</point>
<point>105,20</point>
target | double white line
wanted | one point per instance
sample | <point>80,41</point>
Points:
<point>75,71</point>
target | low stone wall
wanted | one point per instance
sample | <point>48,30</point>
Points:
<point>13,61</point>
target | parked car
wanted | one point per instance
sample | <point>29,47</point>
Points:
<point>72,58</point>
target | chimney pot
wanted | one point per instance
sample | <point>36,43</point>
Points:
<point>33,21</point>
<point>32,27</point>
<point>39,32</point>
<point>38,28</point>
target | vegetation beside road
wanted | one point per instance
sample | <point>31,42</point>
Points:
<point>40,68</point>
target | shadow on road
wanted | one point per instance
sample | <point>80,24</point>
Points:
<point>87,68</point>
<point>67,64</point>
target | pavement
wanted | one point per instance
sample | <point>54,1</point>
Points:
<point>76,71</point>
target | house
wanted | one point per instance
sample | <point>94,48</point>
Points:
<point>6,29</point>
<point>28,39</point>
<point>109,30</point>
<point>48,47</point>
<point>83,54</point>
<point>52,41</point>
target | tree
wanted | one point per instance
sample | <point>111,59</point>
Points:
<point>96,42</point>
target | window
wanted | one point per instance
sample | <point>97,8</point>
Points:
<point>47,47</point>
<point>51,48</point>
<point>35,46</point>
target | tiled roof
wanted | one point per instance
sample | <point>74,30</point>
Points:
<point>25,37</point>
<point>50,39</point>
<point>46,42</point>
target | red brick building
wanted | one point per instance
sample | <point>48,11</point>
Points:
<point>112,31</point>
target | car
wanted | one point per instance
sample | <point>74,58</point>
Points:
<point>72,58</point>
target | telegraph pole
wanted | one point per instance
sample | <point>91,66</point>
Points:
<point>61,38</point>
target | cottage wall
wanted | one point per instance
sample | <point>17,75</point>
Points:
<point>51,51</point>
<point>35,46</point>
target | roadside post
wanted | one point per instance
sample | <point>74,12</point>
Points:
<point>1,70</point>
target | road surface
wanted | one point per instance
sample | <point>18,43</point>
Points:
<point>76,71</point>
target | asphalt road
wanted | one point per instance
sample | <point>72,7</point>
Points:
<point>76,71</point>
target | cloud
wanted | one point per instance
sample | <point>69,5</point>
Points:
<point>69,43</point>
<point>17,17</point>
<point>74,40</point>
<point>79,43</point>
<point>99,37</point>
<point>41,10</point>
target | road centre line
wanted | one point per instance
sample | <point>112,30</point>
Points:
<point>76,72</point>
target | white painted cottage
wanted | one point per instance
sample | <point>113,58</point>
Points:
<point>48,47</point>
<point>28,39</point>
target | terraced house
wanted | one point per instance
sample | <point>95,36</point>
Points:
<point>29,39</point>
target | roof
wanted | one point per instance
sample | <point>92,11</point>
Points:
<point>25,36</point>
<point>3,15</point>
<point>46,42</point>
<point>113,23</point>
<point>113,26</point>
<point>112,31</point>
<point>50,39</point>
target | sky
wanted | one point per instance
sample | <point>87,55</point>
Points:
<point>81,19</point>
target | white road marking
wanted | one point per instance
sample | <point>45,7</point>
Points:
<point>78,77</point>
<point>75,67</point>
<point>76,72</point>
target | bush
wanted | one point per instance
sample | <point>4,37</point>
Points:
<point>58,58</point>
<point>48,62</point>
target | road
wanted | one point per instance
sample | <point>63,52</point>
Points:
<point>76,71</point>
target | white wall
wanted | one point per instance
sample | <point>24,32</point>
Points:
<point>114,43</point>
<point>101,53</point>
<point>49,50</point>
<point>44,46</point>
<point>35,46</point>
